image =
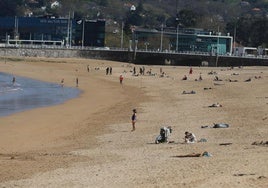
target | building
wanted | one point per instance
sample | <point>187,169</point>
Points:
<point>51,30</point>
<point>184,40</point>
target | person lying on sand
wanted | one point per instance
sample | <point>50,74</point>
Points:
<point>204,154</point>
<point>215,105</point>
<point>232,80</point>
<point>235,74</point>
<point>207,88</point>
<point>190,92</point>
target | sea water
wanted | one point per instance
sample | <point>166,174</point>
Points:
<point>24,94</point>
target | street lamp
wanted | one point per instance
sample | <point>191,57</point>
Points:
<point>122,34</point>
<point>161,39</point>
<point>83,32</point>
<point>177,38</point>
<point>177,32</point>
<point>146,45</point>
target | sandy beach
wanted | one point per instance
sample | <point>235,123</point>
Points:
<point>88,142</point>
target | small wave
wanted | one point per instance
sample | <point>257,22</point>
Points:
<point>16,84</point>
<point>10,89</point>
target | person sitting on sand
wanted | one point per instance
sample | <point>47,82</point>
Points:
<point>184,78</point>
<point>189,137</point>
<point>217,78</point>
<point>200,77</point>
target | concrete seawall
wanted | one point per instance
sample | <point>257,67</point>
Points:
<point>139,57</point>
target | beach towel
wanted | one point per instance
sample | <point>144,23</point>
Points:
<point>220,125</point>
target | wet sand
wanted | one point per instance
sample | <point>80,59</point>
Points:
<point>87,141</point>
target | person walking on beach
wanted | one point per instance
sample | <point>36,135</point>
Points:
<point>13,80</point>
<point>134,119</point>
<point>76,81</point>
<point>62,82</point>
<point>107,70</point>
<point>121,79</point>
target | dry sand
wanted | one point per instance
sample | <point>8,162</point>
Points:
<point>87,141</point>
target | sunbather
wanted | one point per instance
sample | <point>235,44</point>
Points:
<point>188,92</point>
<point>215,105</point>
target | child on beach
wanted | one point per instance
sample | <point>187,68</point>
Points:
<point>134,119</point>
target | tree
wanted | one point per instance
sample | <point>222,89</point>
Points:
<point>8,7</point>
<point>187,18</point>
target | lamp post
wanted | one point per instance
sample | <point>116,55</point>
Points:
<point>122,35</point>
<point>135,49</point>
<point>161,39</point>
<point>83,32</point>
<point>177,32</point>
<point>177,37</point>
<point>146,45</point>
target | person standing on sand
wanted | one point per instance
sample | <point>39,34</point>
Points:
<point>121,79</point>
<point>76,81</point>
<point>134,119</point>
<point>191,71</point>
<point>107,70</point>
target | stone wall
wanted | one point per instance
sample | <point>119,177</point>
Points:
<point>150,58</point>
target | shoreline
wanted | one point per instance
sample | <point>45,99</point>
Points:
<point>55,136</point>
<point>23,89</point>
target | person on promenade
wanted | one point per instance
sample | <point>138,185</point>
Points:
<point>134,119</point>
<point>121,79</point>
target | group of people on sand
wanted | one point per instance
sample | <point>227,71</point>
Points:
<point>188,138</point>
<point>109,70</point>
<point>62,82</point>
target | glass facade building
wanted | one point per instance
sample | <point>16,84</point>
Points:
<point>68,32</point>
<point>185,40</point>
